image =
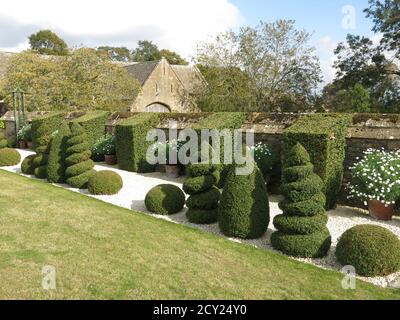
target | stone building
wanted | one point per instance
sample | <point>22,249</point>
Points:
<point>165,87</point>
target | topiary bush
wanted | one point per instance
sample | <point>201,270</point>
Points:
<point>9,157</point>
<point>93,123</point>
<point>165,199</point>
<point>3,140</point>
<point>27,166</point>
<point>371,250</point>
<point>78,162</point>
<point>244,207</point>
<point>56,160</point>
<point>301,228</point>
<point>105,183</point>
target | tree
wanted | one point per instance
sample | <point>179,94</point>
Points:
<point>146,51</point>
<point>275,57</point>
<point>356,99</point>
<point>120,54</point>
<point>47,42</point>
<point>386,16</point>
<point>173,57</point>
<point>84,80</point>
<point>302,230</point>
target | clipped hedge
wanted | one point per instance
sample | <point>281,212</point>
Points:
<point>244,207</point>
<point>372,250</point>
<point>324,137</point>
<point>78,162</point>
<point>198,184</point>
<point>94,125</point>
<point>105,183</point>
<point>9,157</point>
<point>27,166</point>
<point>131,144</point>
<point>43,127</point>
<point>56,161</point>
<point>302,230</point>
<point>3,140</point>
<point>165,199</point>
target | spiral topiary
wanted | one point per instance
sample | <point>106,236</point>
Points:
<point>105,183</point>
<point>78,162</point>
<point>56,160</point>
<point>3,141</point>
<point>27,166</point>
<point>9,157</point>
<point>371,250</point>
<point>165,199</point>
<point>302,230</point>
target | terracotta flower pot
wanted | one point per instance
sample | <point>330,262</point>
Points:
<point>22,144</point>
<point>110,159</point>
<point>172,171</point>
<point>380,211</point>
<point>29,144</point>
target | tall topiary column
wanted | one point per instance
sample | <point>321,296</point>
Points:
<point>244,207</point>
<point>3,141</point>
<point>78,162</point>
<point>56,161</point>
<point>302,230</point>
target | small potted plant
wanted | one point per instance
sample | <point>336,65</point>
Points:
<point>24,136</point>
<point>376,181</point>
<point>110,156</point>
<point>168,152</point>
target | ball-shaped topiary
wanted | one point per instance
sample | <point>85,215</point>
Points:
<point>165,199</point>
<point>27,166</point>
<point>371,250</point>
<point>244,207</point>
<point>9,157</point>
<point>78,162</point>
<point>3,141</point>
<point>105,183</point>
<point>301,228</point>
<point>56,160</point>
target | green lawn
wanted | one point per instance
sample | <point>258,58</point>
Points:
<point>102,251</point>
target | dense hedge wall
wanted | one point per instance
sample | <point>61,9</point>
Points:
<point>94,125</point>
<point>324,137</point>
<point>131,144</point>
<point>43,127</point>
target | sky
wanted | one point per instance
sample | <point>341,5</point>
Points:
<point>177,24</point>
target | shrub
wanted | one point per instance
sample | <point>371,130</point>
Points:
<point>199,216</point>
<point>324,137</point>
<point>206,200</point>
<point>40,172</point>
<point>372,250</point>
<point>131,144</point>
<point>93,123</point>
<point>265,158</point>
<point>43,127</point>
<point>301,228</point>
<point>9,157</point>
<point>104,146</point>
<point>165,199</point>
<point>3,141</point>
<point>25,133</point>
<point>105,183</point>
<point>56,161</point>
<point>27,166</point>
<point>198,184</point>
<point>78,162</point>
<point>244,207</point>
<point>12,141</point>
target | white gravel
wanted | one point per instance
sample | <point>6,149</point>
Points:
<point>341,219</point>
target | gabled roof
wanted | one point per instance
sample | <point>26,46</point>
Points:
<point>141,71</point>
<point>188,76</point>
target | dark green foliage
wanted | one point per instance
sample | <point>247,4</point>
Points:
<point>105,183</point>
<point>79,165</point>
<point>48,43</point>
<point>94,125</point>
<point>198,169</point>
<point>3,141</point>
<point>27,166</point>
<point>40,172</point>
<point>301,228</point>
<point>12,141</point>
<point>244,207</point>
<point>40,160</point>
<point>199,216</point>
<point>131,144</point>
<point>56,160</point>
<point>43,127</point>
<point>372,250</point>
<point>9,157</point>
<point>165,199</point>
<point>198,184</point>
<point>206,200</point>
<point>324,138</point>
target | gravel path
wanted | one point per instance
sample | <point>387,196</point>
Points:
<point>341,219</point>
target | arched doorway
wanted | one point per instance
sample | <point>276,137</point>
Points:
<point>157,107</point>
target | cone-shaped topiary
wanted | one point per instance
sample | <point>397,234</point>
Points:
<point>3,141</point>
<point>78,162</point>
<point>56,161</point>
<point>244,207</point>
<point>302,230</point>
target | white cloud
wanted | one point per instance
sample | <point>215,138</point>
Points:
<point>325,51</point>
<point>174,24</point>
